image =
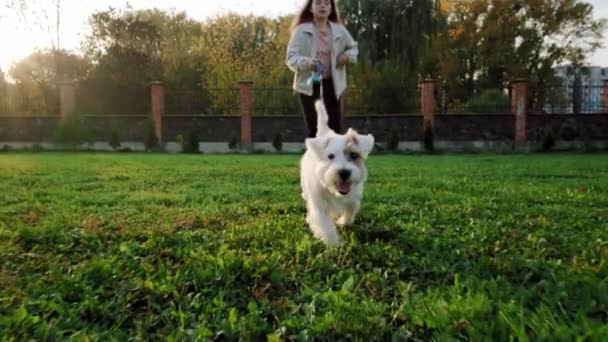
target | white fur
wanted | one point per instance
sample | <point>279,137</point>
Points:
<point>321,184</point>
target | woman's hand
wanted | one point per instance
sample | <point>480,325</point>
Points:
<point>342,59</point>
<point>312,65</point>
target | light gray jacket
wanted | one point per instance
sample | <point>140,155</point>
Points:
<point>301,50</point>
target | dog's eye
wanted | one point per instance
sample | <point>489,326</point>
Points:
<point>331,156</point>
<point>354,155</point>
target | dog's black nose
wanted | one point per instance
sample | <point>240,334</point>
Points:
<point>344,174</point>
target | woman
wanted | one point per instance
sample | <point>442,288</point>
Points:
<point>320,39</point>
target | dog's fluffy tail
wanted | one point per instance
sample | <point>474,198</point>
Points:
<point>322,118</point>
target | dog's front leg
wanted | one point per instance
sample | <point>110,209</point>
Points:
<point>348,215</point>
<point>322,226</point>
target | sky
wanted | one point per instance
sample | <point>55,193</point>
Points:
<point>18,40</point>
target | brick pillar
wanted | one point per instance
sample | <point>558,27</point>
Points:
<point>605,96</point>
<point>245,104</point>
<point>520,108</point>
<point>427,101</point>
<point>157,105</point>
<point>67,99</point>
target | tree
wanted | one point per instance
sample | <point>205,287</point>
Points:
<point>391,29</point>
<point>125,49</point>
<point>182,67</point>
<point>46,66</point>
<point>236,48</point>
<point>393,36</point>
<point>454,54</point>
<point>125,45</point>
<point>239,47</point>
<point>3,94</point>
<point>36,86</point>
<point>553,32</point>
<point>43,16</point>
<point>132,48</point>
<point>487,43</point>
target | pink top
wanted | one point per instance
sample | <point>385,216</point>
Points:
<point>324,50</point>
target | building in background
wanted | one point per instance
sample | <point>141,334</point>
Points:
<point>582,89</point>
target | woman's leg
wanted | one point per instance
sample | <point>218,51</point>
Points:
<point>332,104</point>
<point>310,113</point>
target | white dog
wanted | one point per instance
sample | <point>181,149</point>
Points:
<point>332,174</point>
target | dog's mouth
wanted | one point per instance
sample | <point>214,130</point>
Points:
<point>343,187</point>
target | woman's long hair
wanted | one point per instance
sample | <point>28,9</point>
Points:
<point>305,14</point>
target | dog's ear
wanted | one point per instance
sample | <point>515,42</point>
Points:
<point>366,144</point>
<point>314,145</point>
<point>364,141</point>
<point>317,145</point>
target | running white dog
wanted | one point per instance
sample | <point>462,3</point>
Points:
<point>332,174</point>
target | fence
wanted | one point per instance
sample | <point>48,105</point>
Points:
<point>462,100</point>
<point>572,99</point>
<point>205,101</point>
<point>250,114</point>
<point>282,101</point>
<point>95,98</point>
<point>25,100</point>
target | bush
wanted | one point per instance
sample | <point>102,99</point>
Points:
<point>233,143</point>
<point>72,131</point>
<point>277,142</point>
<point>393,141</point>
<point>548,139</point>
<point>586,136</point>
<point>190,144</point>
<point>491,100</point>
<point>115,137</point>
<point>386,87</point>
<point>150,138</point>
<point>429,139</point>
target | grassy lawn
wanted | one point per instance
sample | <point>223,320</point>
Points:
<point>196,247</point>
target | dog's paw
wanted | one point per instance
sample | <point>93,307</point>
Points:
<point>345,220</point>
<point>332,242</point>
<point>329,237</point>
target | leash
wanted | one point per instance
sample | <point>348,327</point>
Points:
<point>317,78</point>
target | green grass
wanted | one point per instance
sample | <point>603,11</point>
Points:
<point>187,247</point>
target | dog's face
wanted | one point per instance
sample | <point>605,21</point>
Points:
<point>342,158</point>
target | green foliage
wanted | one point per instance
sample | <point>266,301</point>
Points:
<point>277,141</point>
<point>4,109</point>
<point>391,30</point>
<point>115,137</point>
<point>132,48</point>
<point>36,81</point>
<point>381,88</point>
<point>489,101</point>
<point>237,48</point>
<point>393,141</point>
<point>107,247</point>
<point>72,131</point>
<point>548,138</point>
<point>149,135</point>
<point>233,143</point>
<point>471,45</point>
<point>486,44</point>
<point>429,139</point>
<point>191,143</point>
<point>50,68</point>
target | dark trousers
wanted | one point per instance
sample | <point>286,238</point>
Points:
<point>331,104</point>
